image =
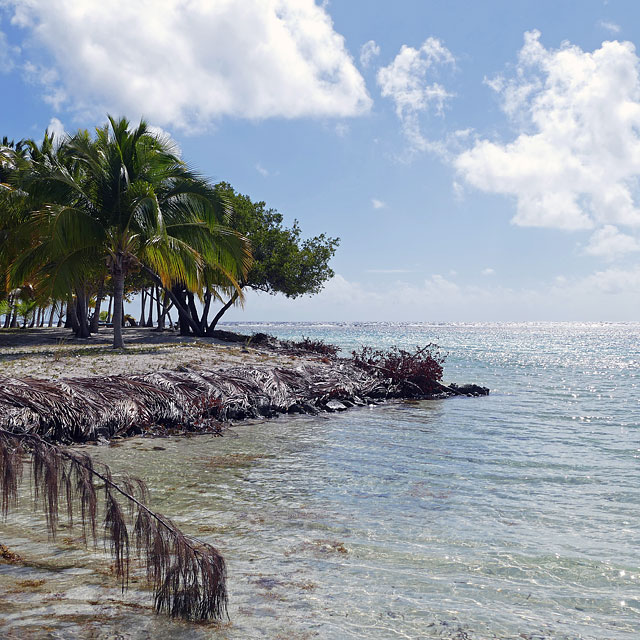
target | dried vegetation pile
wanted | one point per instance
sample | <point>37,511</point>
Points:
<point>82,409</point>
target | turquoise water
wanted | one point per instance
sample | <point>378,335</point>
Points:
<point>511,516</point>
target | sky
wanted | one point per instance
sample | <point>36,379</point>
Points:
<point>480,161</point>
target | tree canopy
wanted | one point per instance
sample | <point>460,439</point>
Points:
<point>283,262</point>
<point>117,211</point>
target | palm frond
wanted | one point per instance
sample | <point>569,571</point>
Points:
<point>188,575</point>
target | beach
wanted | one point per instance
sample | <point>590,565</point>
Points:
<point>507,516</point>
<point>55,353</point>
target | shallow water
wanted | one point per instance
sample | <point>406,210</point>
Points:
<point>511,516</point>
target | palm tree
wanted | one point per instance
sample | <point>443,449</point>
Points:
<point>124,199</point>
<point>13,210</point>
<point>42,251</point>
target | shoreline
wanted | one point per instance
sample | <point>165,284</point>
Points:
<point>164,383</point>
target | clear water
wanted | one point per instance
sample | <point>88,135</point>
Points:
<point>511,516</point>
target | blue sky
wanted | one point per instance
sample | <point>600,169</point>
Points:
<point>478,160</point>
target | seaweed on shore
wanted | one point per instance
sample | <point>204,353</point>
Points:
<point>188,575</point>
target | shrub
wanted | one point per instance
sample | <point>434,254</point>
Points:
<point>414,373</point>
<point>316,346</point>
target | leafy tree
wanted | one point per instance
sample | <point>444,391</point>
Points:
<point>282,261</point>
<point>124,199</point>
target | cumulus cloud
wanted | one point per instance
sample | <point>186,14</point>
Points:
<point>368,52</point>
<point>614,281</point>
<point>609,243</point>
<point>408,81</point>
<point>575,162</point>
<point>186,64</point>
<point>488,272</point>
<point>56,129</point>
<point>378,204</point>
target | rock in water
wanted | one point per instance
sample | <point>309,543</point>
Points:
<point>473,390</point>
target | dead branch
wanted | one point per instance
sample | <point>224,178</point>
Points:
<point>188,576</point>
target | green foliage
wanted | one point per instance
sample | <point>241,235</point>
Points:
<point>26,309</point>
<point>117,210</point>
<point>5,307</point>
<point>120,200</point>
<point>282,261</point>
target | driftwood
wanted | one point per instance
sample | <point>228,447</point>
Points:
<point>188,576</point>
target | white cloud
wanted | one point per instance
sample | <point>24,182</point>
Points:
<point>609,243</point>
<point>7,54</point>
<point>611,294</point>
<point>166,138</point>
<point>405,82</point>
<point>368,52</point>
<point>615,281</point>
<point>261,170</point>
<point>186,64</point>
<point>612,27</point>
<point>576,161</point>
<point>56,128</point>
<point>488,272</point>
<point>341,129</point>
<point>378,204</point>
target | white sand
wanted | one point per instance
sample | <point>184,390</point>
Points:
<point>55,353</point>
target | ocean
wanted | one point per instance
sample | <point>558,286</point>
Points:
<point>511,516</point>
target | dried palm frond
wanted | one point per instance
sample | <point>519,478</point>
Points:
<point>188,575</point>
<point>81,409</point>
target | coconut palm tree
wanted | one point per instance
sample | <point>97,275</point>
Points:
<point>125,200</point>
<point>13,157</point>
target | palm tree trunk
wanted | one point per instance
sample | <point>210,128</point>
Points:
<point>158,307</point>
<point>205,312</point>
<point>109,309</point>
<point>182,311</point>
<point>7,318</point>
<point>216,319</point>
<point>62,312</point>
<point>150,318</point>
<point>143,299</point>
<point>72,315</point>
<point>118,296</point>
<point>194,314</point>
<point>53,311</point>
<point>83,323</point>
<point>96,315</point>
